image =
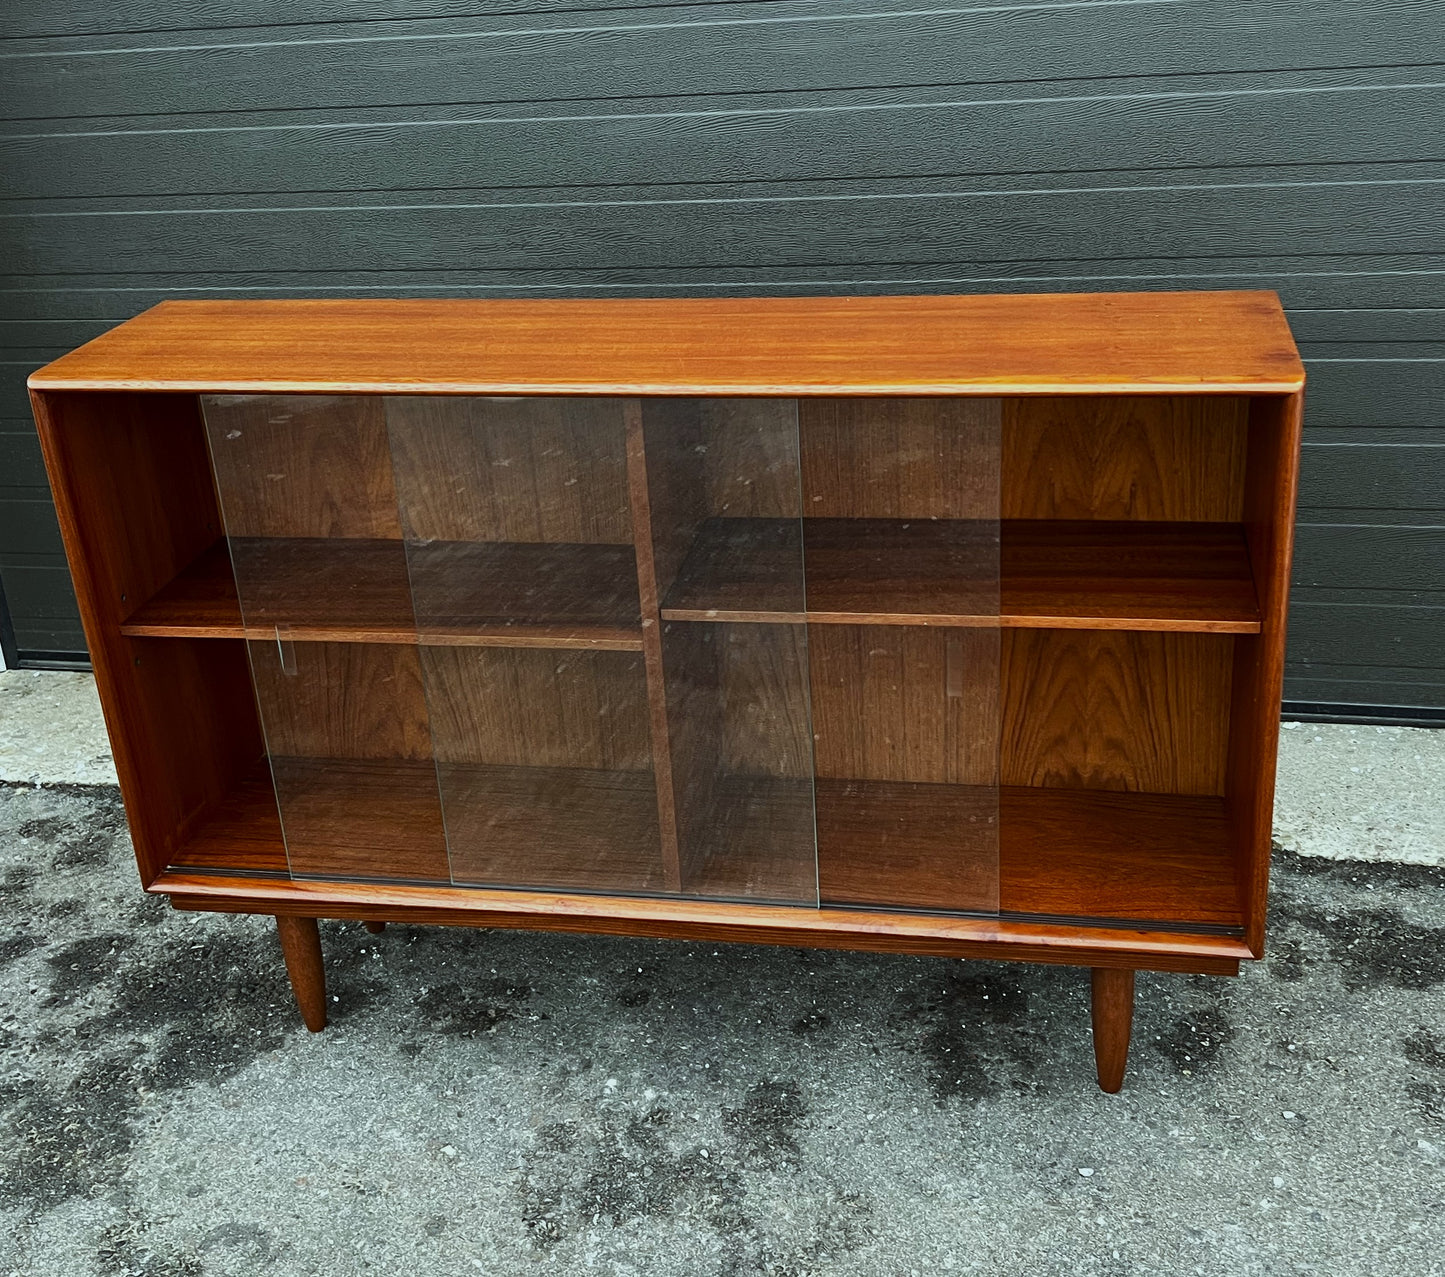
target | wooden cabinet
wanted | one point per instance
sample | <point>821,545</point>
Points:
<point>949,626</point>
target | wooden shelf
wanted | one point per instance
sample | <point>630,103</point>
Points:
<point>573,828</point>
<point>505,594</point>
<point>345,818</point>
<point>1086,857</point>
<point>1074,855</point>
<point>1020,573</point>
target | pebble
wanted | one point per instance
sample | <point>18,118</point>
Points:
<point>1086,1171</point>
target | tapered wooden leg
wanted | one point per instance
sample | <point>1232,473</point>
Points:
<point>376,928</point>
<point>1113,1015</point>
<point>301,945</point>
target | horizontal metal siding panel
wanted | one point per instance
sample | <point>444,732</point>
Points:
<point>1366,325</point>
<point>21,466</point>
<point>42,608</point>
<point>1379,280</point>
<point>1364,393</point>
<point>1364,636</point>
<point>1361,556</point>
<point>866,147</point>
<point>79,17</point>
<point>653,52</point>
<point>1384,480</point>
<point>1366,687</point>
<point>1055,129</point>
<point>772,226</point>
<point>28,528</point>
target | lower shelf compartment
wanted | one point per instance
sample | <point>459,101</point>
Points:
<point>574,828</point>
<point>1075,855</point>
<point>1070,856</point>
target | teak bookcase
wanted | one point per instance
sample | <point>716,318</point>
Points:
<point>939,625</point>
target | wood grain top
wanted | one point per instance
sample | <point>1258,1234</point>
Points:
<point>1068,343</point>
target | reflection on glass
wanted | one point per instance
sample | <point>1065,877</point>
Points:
<point>519,540</point>
<point>746,649</point>
<point>902,552</point>
<point>728,549</point>
<point>309,507</point>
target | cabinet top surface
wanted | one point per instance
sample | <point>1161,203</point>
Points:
<point>1068,343</point>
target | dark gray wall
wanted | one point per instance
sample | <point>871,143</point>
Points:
<point>248,148</point>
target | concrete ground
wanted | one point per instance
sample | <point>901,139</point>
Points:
<point>512,1103</point>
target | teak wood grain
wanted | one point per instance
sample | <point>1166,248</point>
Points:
<point>302,466</point>
<point>1115,710</point>
<point>530,707</point>
<point>1269,512</point>
<point>1068,343</point>
<point>181,716</point>
<point>561,827</point>
<point>905,703</point>
<point>1165,458</point>
<point>933,458</point>
<point>1042,853</point>
<point>645,562</point>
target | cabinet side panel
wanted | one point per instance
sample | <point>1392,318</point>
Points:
<point>1139,712</point>
<point>1272,481</point>
<point>1164,457</point>
<point>133,492</point>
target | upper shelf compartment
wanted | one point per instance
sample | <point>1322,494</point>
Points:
<point>385,519</point>
<point>1066,574</point>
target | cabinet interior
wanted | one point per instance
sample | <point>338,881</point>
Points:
<point>974,655</point>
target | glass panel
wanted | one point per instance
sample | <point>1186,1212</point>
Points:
<point>308,502</point>
<point>519,543</point>
<point>901,545</point>
<point>727,549</point>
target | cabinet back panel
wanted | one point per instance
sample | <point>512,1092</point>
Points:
<point>902,703</point>
<point>742,768</point>
<point>475,469</point>
<point>1166,457</point>
<point>750,459</point>
<point>341,700</point>
<point>762,685</point>
<point>302,465</point>
<point>530,707</point>
<point>900,458</point>
<point>716,458</point>
<point>1113,709</point>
